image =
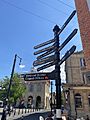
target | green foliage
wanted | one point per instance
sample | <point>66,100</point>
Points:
<point>16,91</point>
<point>4,83</point>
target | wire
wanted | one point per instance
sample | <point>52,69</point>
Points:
<point>65,4</point>
<point>27,11</point>
<point>52,7</point>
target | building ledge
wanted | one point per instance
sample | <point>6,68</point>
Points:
<point>75,85</point>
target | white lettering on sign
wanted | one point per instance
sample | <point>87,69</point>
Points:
<point>36,76</point>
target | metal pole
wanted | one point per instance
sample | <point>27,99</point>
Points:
<point>7,97</point>
<point>51,97</point>
<point>11,76</point>
<point>57,71</point>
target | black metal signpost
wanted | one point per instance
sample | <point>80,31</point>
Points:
<point>58,78</point>
<point>53,60</point>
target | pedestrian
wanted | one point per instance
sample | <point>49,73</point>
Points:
<point>3,115</point>
<point>87,118</point>
<point>54,116</point>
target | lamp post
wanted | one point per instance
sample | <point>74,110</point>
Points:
<point>8,92</point>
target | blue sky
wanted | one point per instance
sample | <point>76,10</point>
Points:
<point>27,23</point>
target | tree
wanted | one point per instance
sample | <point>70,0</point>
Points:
<point>17,90</point>
<point>4,84</point>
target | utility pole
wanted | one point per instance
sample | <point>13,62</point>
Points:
<point>57,72</point>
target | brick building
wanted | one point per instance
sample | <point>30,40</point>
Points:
<point>83,14</point>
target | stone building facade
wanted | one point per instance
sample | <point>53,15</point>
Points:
<point>37,94</point>
<point>37,91</point>
<point>77,87</point>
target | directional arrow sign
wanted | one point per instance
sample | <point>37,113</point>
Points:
<point>62,28</point>
<point>67,21</point>
<point>44,49</point>
<point>67,54</point>
<point>45,43</point>
<point>39,76</point>
<point>61,47</point>
<point>46,53</point>
<point>44,60</point>
<point>68,39</point>
<point>46,66</point>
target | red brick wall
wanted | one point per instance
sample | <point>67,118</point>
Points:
<point>83,15</point>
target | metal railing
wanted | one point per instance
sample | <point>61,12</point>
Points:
<point>17,113</point>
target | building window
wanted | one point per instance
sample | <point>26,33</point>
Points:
<point>78,100</point>
<point>89,100</point>
<point>38,102</point>
<point>82,62</point>
<point>88,77</point>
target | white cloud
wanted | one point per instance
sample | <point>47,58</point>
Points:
<point>22,66</point>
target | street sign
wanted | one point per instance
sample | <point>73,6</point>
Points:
<point>44,49</point>
<point>39,76</point>
<point>68,39</point>
<point>46,66</point>
<point>67,54</point>
<point>62,28</point>
<point>45,43</point>
<point>67,21</point>
<point>44,60</point>
<point>46,53</point>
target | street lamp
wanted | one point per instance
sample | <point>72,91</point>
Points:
<point>8,92</point>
